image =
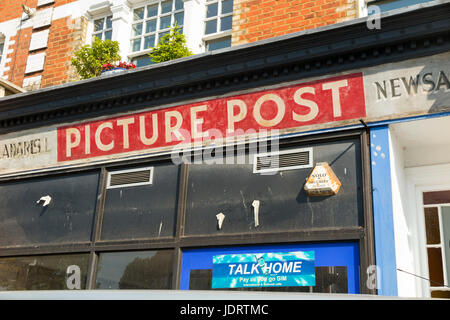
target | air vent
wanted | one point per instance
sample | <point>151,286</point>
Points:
<point>130,178</point>
<point>283,160</point>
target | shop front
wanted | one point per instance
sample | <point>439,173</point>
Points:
<point>269,167</point>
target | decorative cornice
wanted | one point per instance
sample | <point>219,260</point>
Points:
<point>404,34</point>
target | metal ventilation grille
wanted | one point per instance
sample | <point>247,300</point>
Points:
<point>128,178</point>
<point>283,160</point>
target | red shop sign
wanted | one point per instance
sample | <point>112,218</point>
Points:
<point>322,101</point>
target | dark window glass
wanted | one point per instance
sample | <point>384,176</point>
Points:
<point>179,4</point>
<point>211,10</point>
<point>227,6</point>
<point>109,22</point>
<point>98,24</point>
<point>179,18</point>
<point>441,294</point>
<point>143,60</point>
<point>136,44</point>
<point>108,35</point>
<point>328,280</point>
<point>68,217</point>
<point>149,42</point>
<point>150,26</point>
<point>226,23</point>
<point>435,267</point>
<point>218,44</point>
<point>146,211</point>
<point>166,6</point>
<point>138,14</point>
<point>211,26</point>
<point>436,197</point>
<point>231,189</point>
<point>432,226</point>
<point>58,272</point>
<point>135,270</point>
<point>152,10</point>
<point>164,22</point>
<point>137,29</point>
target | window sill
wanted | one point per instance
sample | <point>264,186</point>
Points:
<point>217,35</point>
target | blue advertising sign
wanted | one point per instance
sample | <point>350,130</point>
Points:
<point>280,269</point>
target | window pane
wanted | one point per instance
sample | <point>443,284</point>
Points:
<point>211,10</point>
<point>164,22</point>
<point>146,211</point>
<point>149,42</point>
<point>227,6</point>
<point>142,60</point>
<point>152,11</point>
<point>137,29</point>
<point>211,26</point>
<point>436,197</point>
<point>179,18</point>
<point>136,45</point>
<point>109,22</point>
<point>98,25</point>
<point>432,226</point>
<point>226,23</point>
<point>150,26</point>
<point>440,294</point>
<point>67,217</point>
<point>435,267</point>
<point>135,270</point>
<point>166,6</point>
<point>138,14</point>
<point>283,202</point>
<point>44,272</point>
<point>108,35</point>
<point>445,214</point>
<point>218,44</point>
<point>179,4</point>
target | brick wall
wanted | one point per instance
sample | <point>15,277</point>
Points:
<point>12,9</point>
<point>65,35</point>
<point>19,56</point>
<point>255,20</point>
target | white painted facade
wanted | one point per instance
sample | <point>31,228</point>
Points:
<point>420,162</point>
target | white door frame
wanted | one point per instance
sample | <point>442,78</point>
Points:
<point>419,180</point>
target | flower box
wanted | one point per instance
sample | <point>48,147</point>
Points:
<point>116,68</point>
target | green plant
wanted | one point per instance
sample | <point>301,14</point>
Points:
<point>171,46</point>
<point>89,59</point>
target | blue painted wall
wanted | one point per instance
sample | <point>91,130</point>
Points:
<point>383,212</point>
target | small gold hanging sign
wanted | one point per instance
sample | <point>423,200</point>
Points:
<point>322,181</point>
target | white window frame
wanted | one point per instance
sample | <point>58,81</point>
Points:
<point>440,246</point>
<point>417,181</point>
<point>104,30</point>
<point>157,31</point>
<point>218,34</point>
